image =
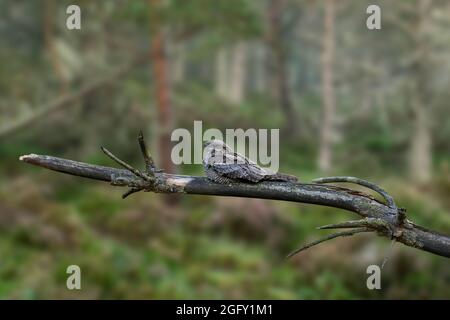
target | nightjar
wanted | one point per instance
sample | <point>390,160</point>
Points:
<point>223,165</point>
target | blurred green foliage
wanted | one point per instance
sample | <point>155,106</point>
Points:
<point>209,247</point>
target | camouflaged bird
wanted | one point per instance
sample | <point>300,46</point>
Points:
<point>222,165</point>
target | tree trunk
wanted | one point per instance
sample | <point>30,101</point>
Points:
<point>221,83</point>
<point>260,68</point>
<point>279,64</point>
<point>178,62</point>
<point>420,156</point>
<point>162,90</point>
<point>49,41</point>
<point>238,68</point>
<point>327,128</point>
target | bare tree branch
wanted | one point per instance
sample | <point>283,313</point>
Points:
<point>390,202</point>
<point>385,220</point>
<point>347,233</point>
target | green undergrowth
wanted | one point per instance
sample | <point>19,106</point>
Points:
<point>204,247</point>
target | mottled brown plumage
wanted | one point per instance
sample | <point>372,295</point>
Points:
<point>224,166</point>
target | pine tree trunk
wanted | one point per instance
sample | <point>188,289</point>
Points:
<point>420,156</point>
<point>279,66</point>
<point>178,62</point>
<point>327,128</point>
<point>221,82</point>
<point>237,79</point>
<point>49,40</point>
<point>162,91</point>
<point>260,68</point>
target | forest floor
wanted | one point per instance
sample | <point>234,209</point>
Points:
<point>204,247</point>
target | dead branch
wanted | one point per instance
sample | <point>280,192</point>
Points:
<point>384,219</point>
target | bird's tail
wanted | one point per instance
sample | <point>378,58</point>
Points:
<point>281,177</point>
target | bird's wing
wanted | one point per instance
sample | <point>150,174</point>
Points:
<point>239,171</point>
<point>236,166</point>
<point>239,167</point>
